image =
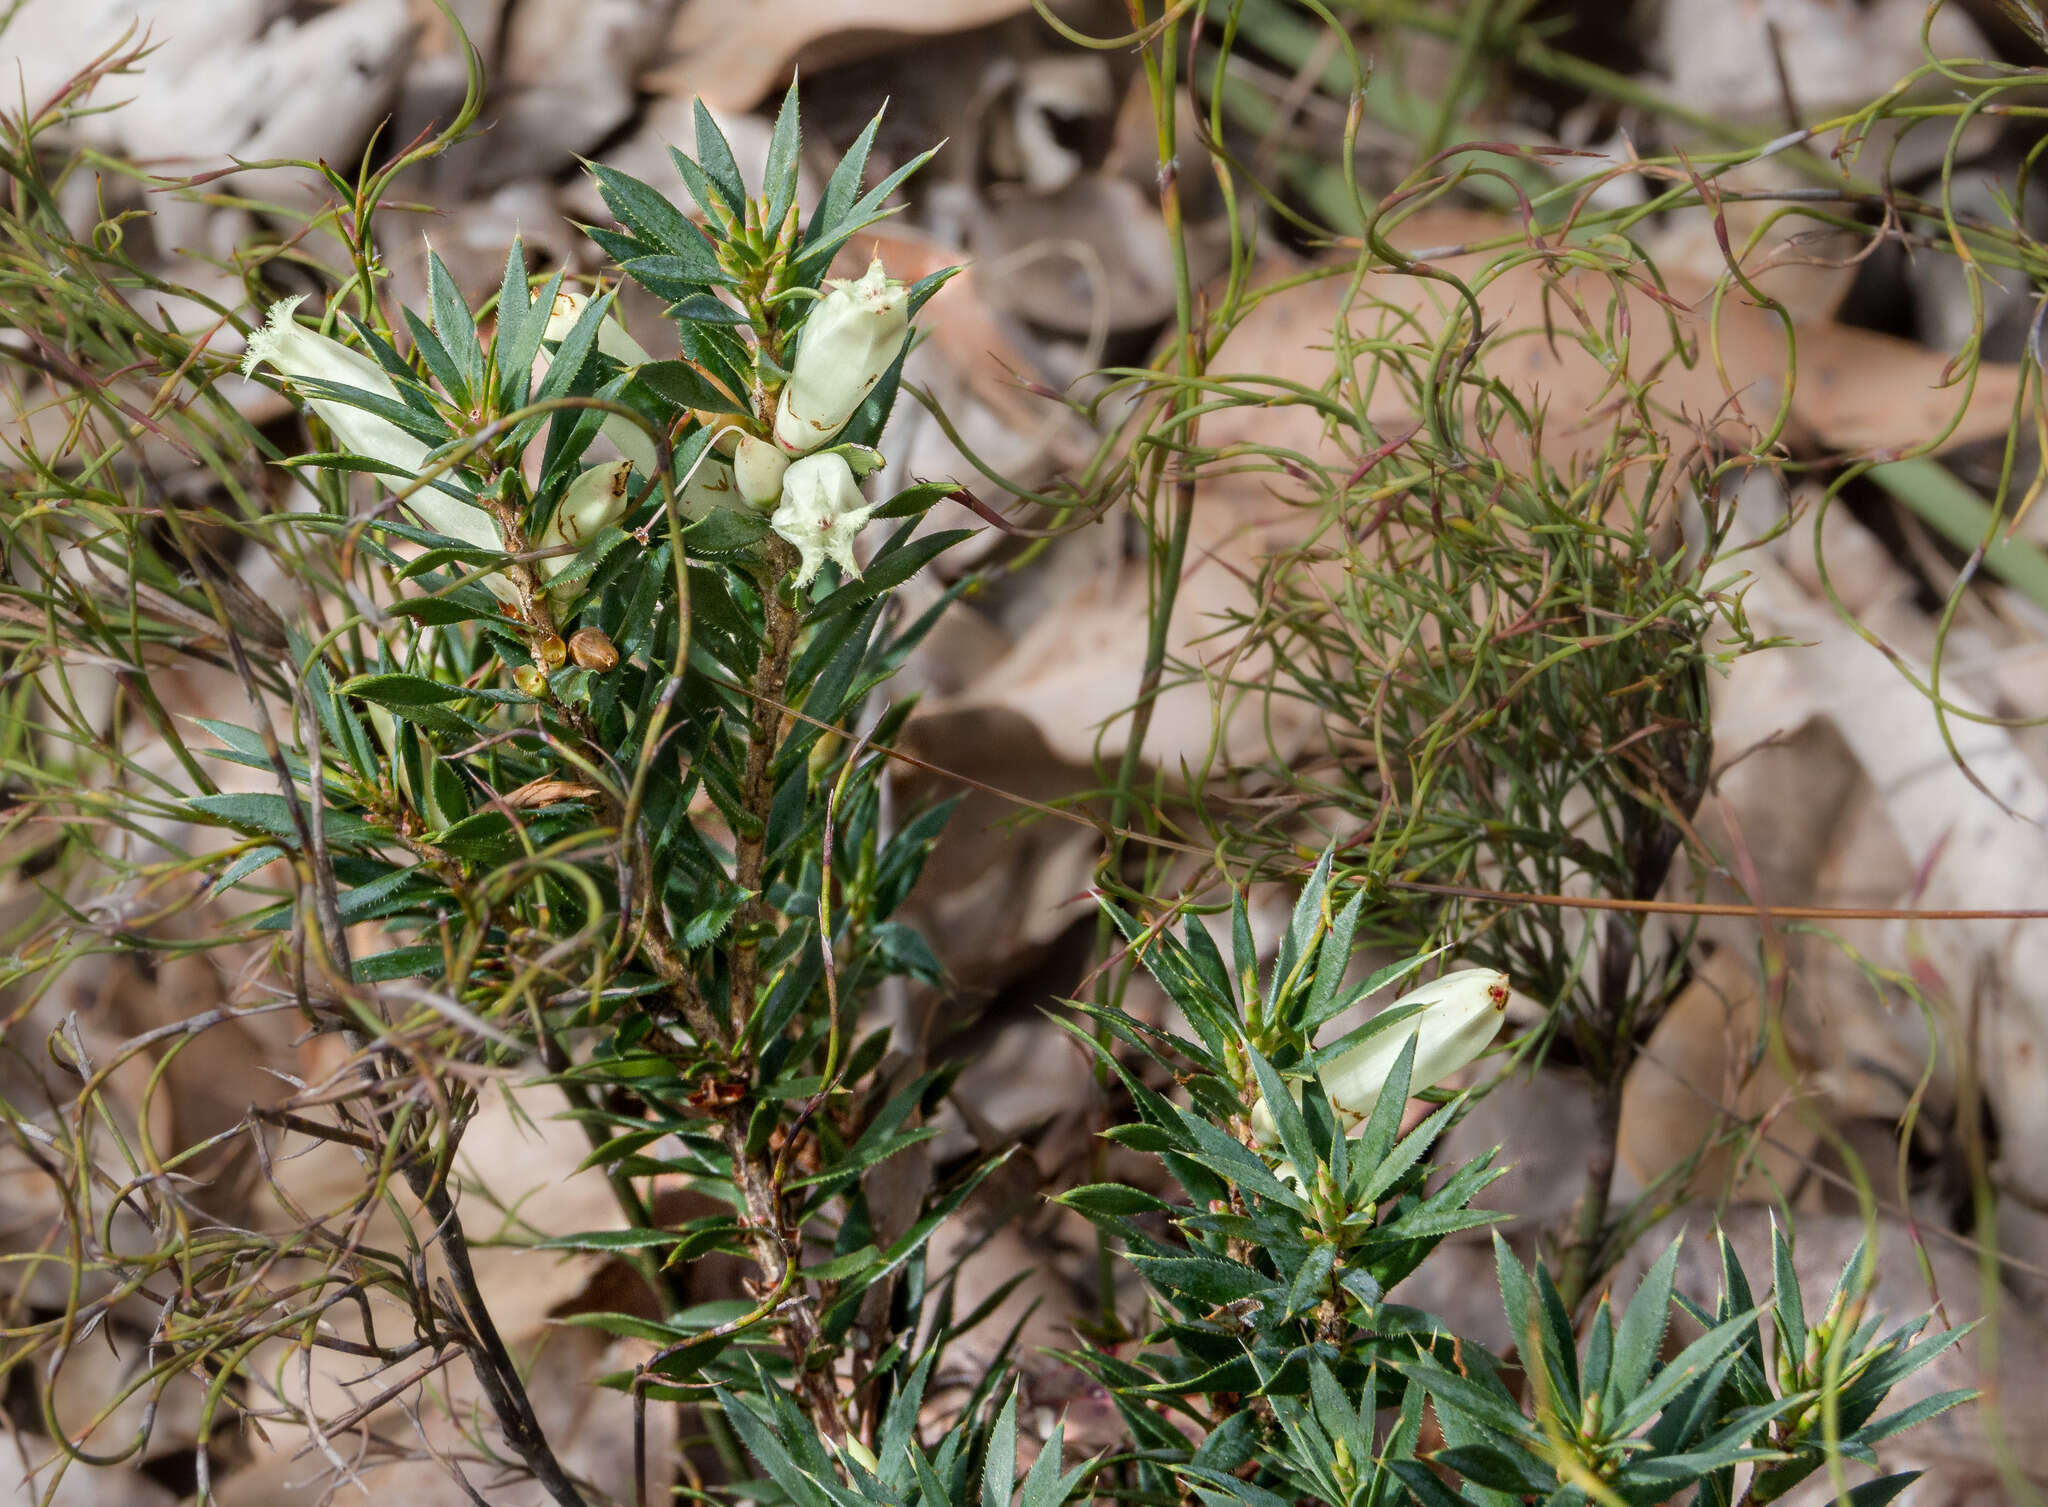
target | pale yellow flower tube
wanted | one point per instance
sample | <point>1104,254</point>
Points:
<point>845,345</point>
<point>627,437</point>
<point>296,352</point>
<point>1462,1013</point>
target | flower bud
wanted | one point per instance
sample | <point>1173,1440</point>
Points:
<point>295,352</point>
<point>758,467</point>
<point>593,502</point>
<point>628,438</point>
<point>822,510</point>
<point>849,340</point>
<point>1462,1013</point>
<point>710,487</point>
<point>592,650</point>
<point>612,338</point>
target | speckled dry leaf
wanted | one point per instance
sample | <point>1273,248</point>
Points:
<point>733,55</point>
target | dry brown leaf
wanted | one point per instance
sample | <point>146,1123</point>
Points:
<point>1963,850</point>
<point>1856,391</point>
<point>993,897</point>
<point>733,55</point>
<point>1698,1080</point>
<point>1073,673</point>
<point>546,792</point>
<point>1738,60</point>
<point>1093,255</point>
<point>81,1486</point>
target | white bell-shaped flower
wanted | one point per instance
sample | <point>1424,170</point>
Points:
<point>295,352</point>
<point>845,345</point>
<point>821,513</point>
<point>1462,1013</point>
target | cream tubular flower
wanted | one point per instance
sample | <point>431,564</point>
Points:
<point>594,501</point>
<point>709,487</point>
<point>1462,1013</point>
<point>822,511</point>
<point>612,338</point>
<point>758,467</point>
<point>294,351</point>
<point>630,439</point>
<point>842,350</point>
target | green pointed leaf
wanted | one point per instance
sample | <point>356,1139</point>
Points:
<point>456,329</point>
<point>396,690</point>
<point>714,156</point>
<point>659,224</point>
<point>778,182</point>
<point>999,1470</point>
<point>1642,1329</point>
<point>271,815</point>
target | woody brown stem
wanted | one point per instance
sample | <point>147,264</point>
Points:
<point>774,1252</point>
<point>760,1194</point>
<point>782,621</point>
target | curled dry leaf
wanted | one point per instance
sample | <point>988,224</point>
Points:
<point>1092,255</point>
<point>1972,832</point>
<point>1856,392</point>
<point>734,55</point>
<point>535,793</point>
